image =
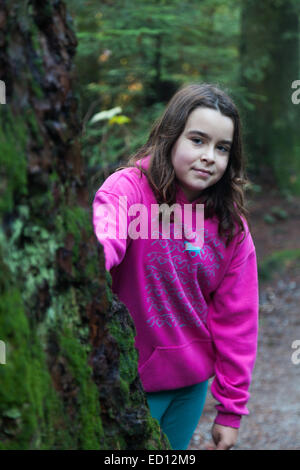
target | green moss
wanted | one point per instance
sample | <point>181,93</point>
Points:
<point>70,309</point>
<point>128,369</point>
<point>73,220</point>
<point>88,424</point>
<point>31,414</point>
<point>12,160</point>
<point>32,122</point>
<point>124,386</point>
<point>128,353</point>
<point>29,407</point>
<point>64,313</point>
<point>92,269</point>
<point>158,439</point>
<point>108,286</point>
<point>118,443</point>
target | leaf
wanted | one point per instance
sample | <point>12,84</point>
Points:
<point>119,120</point>
<point>103,115</point>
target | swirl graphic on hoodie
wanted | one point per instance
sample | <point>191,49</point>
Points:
<point>174,276</point>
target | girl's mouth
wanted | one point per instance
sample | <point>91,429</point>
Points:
<point>203,173</point>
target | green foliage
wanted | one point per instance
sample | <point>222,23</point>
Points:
<point>276,262</point>
<point>135,55</point>
<point>269,219</point>
<point>279,213</point>
<point>276,213</point>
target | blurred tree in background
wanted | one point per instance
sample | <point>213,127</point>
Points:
<point>269,65</point>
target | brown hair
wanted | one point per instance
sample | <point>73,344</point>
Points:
<point>225,199</point>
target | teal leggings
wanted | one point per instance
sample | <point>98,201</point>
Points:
<point>178,412</point>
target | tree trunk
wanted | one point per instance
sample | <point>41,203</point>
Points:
<point>269,65</point>
<point>70,377</point>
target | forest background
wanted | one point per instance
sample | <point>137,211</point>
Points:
<point>133,55</point>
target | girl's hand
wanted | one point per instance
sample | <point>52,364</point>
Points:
<point>224,437</point>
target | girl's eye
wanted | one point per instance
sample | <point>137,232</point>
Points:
<point>223,149</point>
<point>197,140</point>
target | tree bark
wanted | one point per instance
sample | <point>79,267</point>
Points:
<point>70,380</point>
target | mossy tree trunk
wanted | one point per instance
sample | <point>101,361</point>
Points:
<point>269,65</point>
<point>70,379</point>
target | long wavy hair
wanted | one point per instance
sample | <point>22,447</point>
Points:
<point>225,199</point>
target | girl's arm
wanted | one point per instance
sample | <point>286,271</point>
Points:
<point>110,214</point>
<point>233,320</point>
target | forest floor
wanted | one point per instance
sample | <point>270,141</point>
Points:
<point>274,405</point>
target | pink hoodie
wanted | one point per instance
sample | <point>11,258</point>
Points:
<point>195,312</point>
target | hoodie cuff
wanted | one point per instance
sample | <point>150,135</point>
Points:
<point>228,419</point>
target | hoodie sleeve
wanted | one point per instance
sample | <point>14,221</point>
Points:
<point>233,323</point>
<point>110,214</point>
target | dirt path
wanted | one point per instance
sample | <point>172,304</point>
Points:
<point>274,420</point>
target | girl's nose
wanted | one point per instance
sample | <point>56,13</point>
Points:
<point>208,154</point>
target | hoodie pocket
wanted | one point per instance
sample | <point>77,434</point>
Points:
<point>178,366</point>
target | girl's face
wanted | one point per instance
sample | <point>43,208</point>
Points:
<point>200,155</point>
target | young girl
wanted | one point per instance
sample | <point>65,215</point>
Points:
<point>194,305</point>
